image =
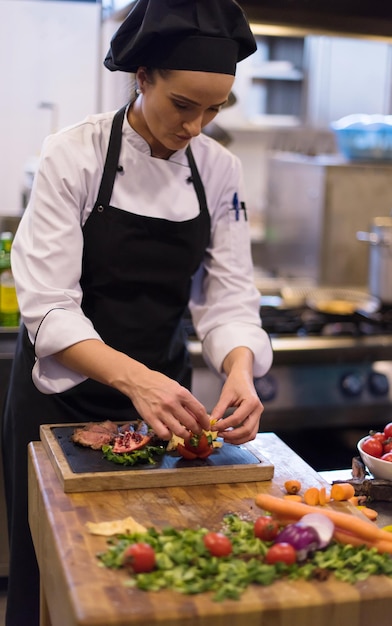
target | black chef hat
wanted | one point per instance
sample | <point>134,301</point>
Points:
<point>200,35</point>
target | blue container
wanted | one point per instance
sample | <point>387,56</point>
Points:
<point>364,137</point>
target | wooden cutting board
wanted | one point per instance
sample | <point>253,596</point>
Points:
<point>83,469</point>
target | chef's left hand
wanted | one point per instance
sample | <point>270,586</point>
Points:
<point>239,392</point>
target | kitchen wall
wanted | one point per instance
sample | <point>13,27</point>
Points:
<point>341,75</point>
<point>50,78</point>
<point>51,55</point>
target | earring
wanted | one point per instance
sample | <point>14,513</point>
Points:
<point>138,91</point>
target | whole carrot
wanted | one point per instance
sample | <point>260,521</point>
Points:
<point>344,536</point>
<point>361,528</point>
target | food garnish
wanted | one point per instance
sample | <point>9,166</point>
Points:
<point>127,444</point>
<point>184,563</point>
<point>348,526</point>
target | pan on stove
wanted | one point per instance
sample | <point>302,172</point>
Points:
<point>342,302</point>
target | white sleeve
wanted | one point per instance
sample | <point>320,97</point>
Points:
<point>46,258</point>
<point>225,303</point>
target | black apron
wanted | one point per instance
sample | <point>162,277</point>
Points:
<point>136,279</point>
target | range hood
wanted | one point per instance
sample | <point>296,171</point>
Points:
<point>359,18</point>
<point>367,18</point>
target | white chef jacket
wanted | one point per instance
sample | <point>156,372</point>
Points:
<point>48,246</point>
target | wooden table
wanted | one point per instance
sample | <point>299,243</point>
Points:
<point>77,592</point>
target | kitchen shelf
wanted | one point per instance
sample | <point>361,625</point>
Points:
<point>266,73</point>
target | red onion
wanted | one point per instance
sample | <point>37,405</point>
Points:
<point>304,539</point>
<point>322,524</point>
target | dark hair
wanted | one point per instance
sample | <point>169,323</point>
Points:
<point>150,73</point>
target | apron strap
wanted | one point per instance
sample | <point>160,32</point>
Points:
<point>112,157</point>
<point>196,180</point>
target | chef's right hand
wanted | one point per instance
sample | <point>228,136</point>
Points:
<point>167,406</point>
<point>160,401</point>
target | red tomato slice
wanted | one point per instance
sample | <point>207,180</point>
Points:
<point>197,447</point>
<point>198,443</point>
<point>186,453</point>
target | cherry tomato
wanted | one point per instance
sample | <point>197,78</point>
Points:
<point>387,457</point>
<point>373,447</point>
<point>266,528</point>
<point>281,553</point>
<point>217,544</point>
<point>378,435</point>
<point>387,445</point>
<point>140,557</point>
<point>388,430</point>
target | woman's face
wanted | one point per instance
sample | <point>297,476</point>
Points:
<point>175,105</point>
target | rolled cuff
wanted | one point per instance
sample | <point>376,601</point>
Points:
<point>59,329</point>
<point>222,340</point>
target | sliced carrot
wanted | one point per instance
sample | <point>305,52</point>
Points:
<point>354,524</point>
<point>368,512</point>
<point>323,496</point>
<point>295,497</point>
<point>292,486</point>
<point>342,491</point>
<point>354,500</point>
<point>312,496</point>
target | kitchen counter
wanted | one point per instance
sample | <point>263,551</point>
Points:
<point>289,350</point>
<point>77,592</point>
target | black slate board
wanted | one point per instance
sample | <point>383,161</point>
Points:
<point>82,460</point>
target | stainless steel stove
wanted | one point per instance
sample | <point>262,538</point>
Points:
<point>331,380</point>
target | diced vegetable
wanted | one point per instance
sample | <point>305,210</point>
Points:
<point>368,512</point>
<point>183,563</point>
<point>295,497</point>
<point>292,486</point>
<point>342,491</point>
<point>346,521</point>
<point>312,496</point>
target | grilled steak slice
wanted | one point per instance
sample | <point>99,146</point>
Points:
<point>95,434</point>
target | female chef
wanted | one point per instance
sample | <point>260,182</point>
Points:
<point>134,217</point>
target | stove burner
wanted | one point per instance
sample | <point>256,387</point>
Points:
<point>303,321</point>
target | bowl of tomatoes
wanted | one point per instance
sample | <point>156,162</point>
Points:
<point>376,452</point>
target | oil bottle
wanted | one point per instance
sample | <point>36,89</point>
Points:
<point>9,309</point>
